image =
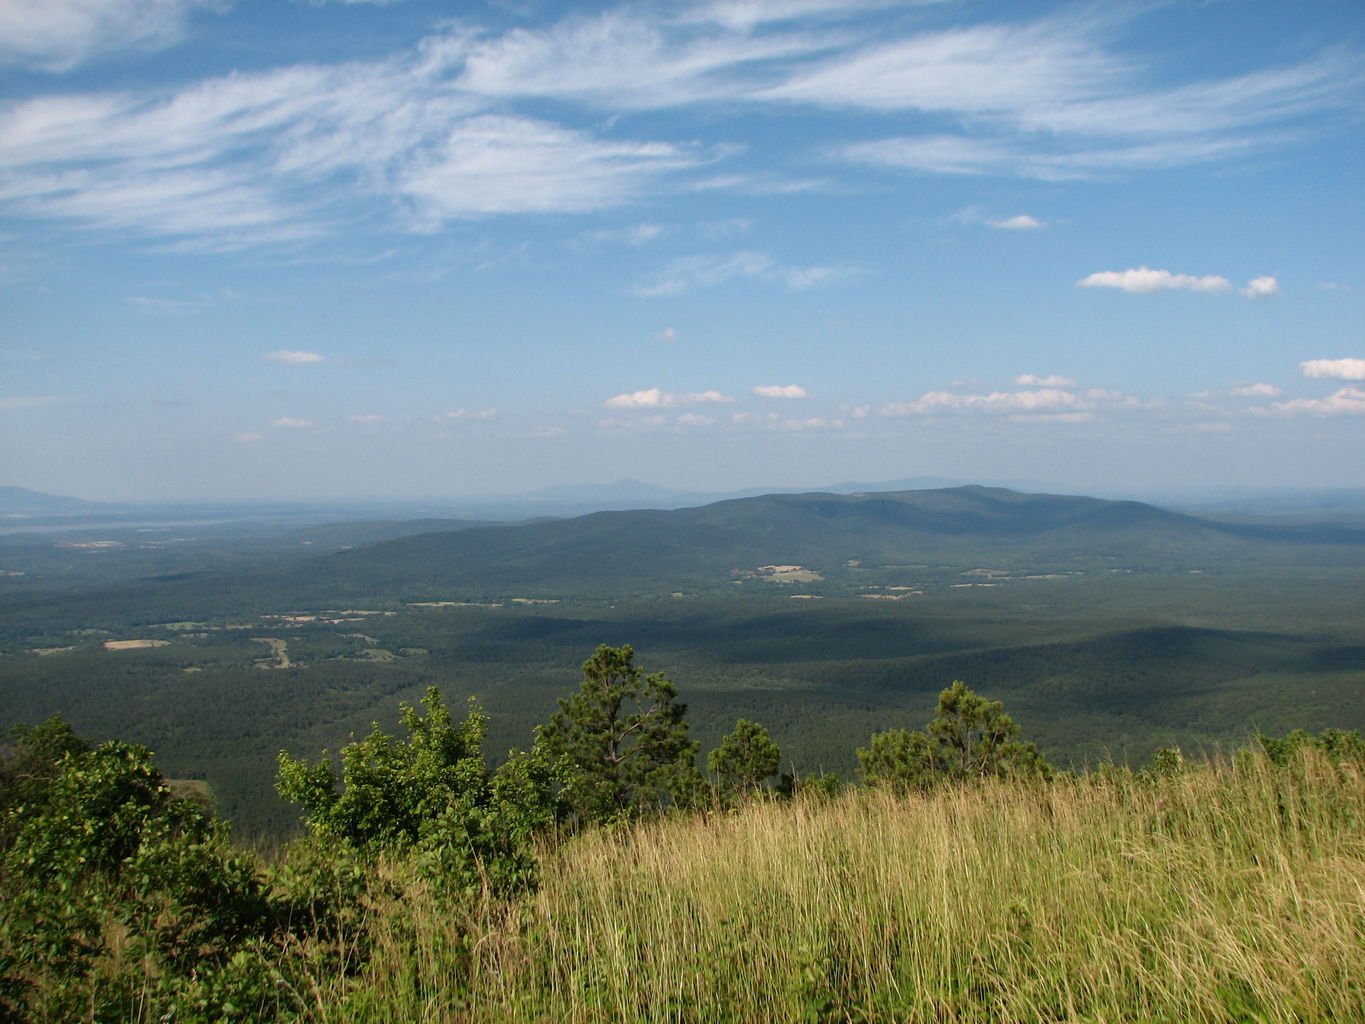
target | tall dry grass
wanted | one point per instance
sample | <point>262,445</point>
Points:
<point>1225,893</point>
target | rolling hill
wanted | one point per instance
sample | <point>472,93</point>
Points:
<point>841,539</point>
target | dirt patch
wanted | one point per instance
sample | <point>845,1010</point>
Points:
<point>279,652</point>
<point>133,645</point>
<point>788,574</point>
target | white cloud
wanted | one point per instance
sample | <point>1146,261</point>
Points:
<point>1202,427</point>
<point>781,391</point>
<point>1347,401</point>
<point>247,438</point>
<point>468,414</point>
<point>656,398</point>
<point>497,163</point>
<point>56,35</point>
<point>1261,288</point>
<point>668,334</point>
<point>1334,369</point>
<point>477,122</point>
<point>1020,222</point>
<point>366,418</point>
<point>1144,280</point>
<point>165,307</point>
<point>292,358</point>
<point>635,235</point>
<point>8,402</point>
<point>689,273</point>
<point>694,419</point>
<point>1250,390</point>
<point>1039,404</point>
<point>1336,286</point>
<point>290,423</point>
<point>1053,381</point>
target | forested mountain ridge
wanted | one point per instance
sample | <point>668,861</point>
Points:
<point>630,552</point>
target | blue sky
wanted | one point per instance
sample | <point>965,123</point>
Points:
<point>274,249</point>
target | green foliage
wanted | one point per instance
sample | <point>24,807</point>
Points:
<point>1339,745</point>
<point>622,741</point>
<point>390,790</point>
<point>106,850</point>
<point>745,759</point>
<point>430,794</point>
<point>970,738</point>
<point>28,767</point>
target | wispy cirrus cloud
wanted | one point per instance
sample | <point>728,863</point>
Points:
<point>458,126</point>
<point>290,357</point>
<point>56,35</point>
<point>690,273</point>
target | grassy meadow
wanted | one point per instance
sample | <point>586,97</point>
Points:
<point>1226,892</point>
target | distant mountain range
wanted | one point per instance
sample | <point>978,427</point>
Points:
<point>21,507</point>
<point>839,539</point>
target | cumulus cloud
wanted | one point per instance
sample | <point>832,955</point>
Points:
<point>1334,369</point>
<point>1347,401</point>
<point>366,418</point>
<point>1249,390</point>
<point>694,419</point>
<point>781,391</point>
<point>1144,280</point>
<point>1261,288</point>
<point>1020,222</point>
<point>668,334</point>
<point>291,357</point>
<point>290,423</point>
<point>250,437</point>
<point>657,398</point>
<point>1053,381</point>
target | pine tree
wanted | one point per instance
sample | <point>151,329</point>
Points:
<point>620,741</point>
<point>971,737</point>
<point>744,760</point>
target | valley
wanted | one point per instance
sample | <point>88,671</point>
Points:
<point>1108,628</point>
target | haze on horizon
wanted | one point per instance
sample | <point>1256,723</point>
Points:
<point>322,249</point>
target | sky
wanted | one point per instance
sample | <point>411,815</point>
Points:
<point>274,249</point>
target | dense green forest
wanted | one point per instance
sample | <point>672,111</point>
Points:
<point>1110,628</point>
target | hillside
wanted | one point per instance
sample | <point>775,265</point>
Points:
<point>850,540</point>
